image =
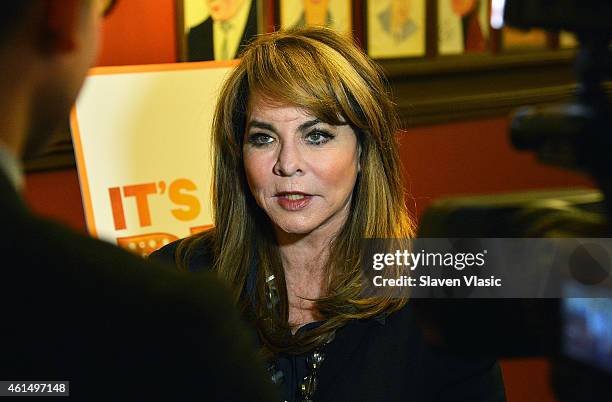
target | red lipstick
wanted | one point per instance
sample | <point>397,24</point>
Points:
<point>293,200</point>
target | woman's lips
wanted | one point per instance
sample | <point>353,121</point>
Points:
<point>293,201</point>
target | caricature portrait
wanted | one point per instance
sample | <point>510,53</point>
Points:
<point>395,20</point>
<point>462,26</point>
<point>227,28</point>
<point>335,14</point>
<point>396,28</point>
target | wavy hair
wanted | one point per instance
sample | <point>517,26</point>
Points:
<point>325,73</point>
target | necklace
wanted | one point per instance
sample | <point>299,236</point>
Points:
<point>308,385</point>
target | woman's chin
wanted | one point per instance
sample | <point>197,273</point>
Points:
<point>294,229</point>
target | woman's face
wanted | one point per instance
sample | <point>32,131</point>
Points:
<point>301,171</point>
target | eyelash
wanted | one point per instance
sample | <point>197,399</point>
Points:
<point>325,137</point>
<point>255,139</point>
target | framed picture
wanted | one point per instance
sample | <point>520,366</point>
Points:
<point>336,14</point>
<point>405,37</point>
<point>395,28</point>
<point>216,29</point>
<point>463,26</point>
<point>514,39</point>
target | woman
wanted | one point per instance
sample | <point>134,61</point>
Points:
<point>306,166</point>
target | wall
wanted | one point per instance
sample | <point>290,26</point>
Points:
<point>139,32</point>
<point>472,157</point>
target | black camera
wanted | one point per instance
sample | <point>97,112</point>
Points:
<point>574,331</point>
<point>570,15</point>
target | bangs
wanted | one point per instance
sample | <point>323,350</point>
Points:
<point>304,73</point>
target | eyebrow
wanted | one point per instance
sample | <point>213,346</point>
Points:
<point>266,126</point>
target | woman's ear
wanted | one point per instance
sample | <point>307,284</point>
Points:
<point>61,24</point>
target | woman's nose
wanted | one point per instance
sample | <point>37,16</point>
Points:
<point>289,161</point>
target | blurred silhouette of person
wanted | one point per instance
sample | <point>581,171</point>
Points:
<point>229,27</point>
<point>77,309</point>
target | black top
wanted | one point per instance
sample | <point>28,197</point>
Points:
<point>118,328</point>
<point>382,359</point>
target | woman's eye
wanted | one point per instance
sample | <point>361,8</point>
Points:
<point>260,139</point>
<point>318,137</point>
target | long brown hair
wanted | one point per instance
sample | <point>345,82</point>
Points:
<point>325,73</point>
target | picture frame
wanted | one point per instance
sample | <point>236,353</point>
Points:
<point>431,86</point>
<point>463,26</point>
<point>517,40</point>
<point>396,28</point>
<point>216,30</point>
<point>335,14</point>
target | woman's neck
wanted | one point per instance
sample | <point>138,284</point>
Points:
<point>304,258</point>
<point>304,263</point>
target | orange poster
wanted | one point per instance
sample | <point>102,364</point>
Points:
<point>142,141</point>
